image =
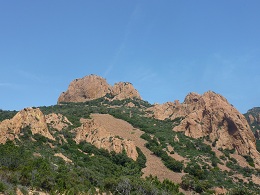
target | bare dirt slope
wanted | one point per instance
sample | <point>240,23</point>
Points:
<point>154,165</point>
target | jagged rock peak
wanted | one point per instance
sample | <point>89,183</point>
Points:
<point>32,117</point>
<point>211,115</point>
<point>87,88</point>
<point>124,90</point>
<point>209,96</point>
<point>92,87</point>
<point>192,97</point>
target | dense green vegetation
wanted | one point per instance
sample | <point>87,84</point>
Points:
<point>6,114</point>
<point>98,169</point>
<point>29,163</point>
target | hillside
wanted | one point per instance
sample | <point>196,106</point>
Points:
<point>253,118</point>
<point>109,143</point>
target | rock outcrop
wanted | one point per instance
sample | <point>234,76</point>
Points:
<point>90,131</point>
<point>253,118</point>
<point>211,115</point>
<point>124,90</point>
<point>57,121</point>
<point>93,87</point>
<point>87,88</point>
<point>34,118</point>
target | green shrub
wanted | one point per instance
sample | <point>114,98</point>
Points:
<point>141,159</point>
<point>2,187</point>
<point>250,160</point>
<point>194,169</point>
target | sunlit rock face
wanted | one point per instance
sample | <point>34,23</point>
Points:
<point>90,131</point>
<point>34,118</point>
<point>211,115</point>
<point>92,87</point>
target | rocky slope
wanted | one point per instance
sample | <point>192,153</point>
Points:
<point>211,115</point>
<point>154,165</point>
<point>91,131</point>
<point>34,118</point>
<point>93,87</point>
<point>57,121</point>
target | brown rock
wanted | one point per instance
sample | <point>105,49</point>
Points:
<point>88,88</point>
<point>220,191</point>
<point>33,118</point>
<point>167,110</point>
<point>124,90</point>
<point>251,119</point>
<point>66,159</point>
<point>57,121</point>
<point>211,115</point>
<point>92,87</point>
<point>90,131</point>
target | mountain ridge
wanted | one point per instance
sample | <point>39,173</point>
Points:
<point>201,144</point>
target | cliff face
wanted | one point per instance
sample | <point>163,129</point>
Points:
<point>34,118</point>
<point>211,115</point>
<point>92,87</point>
<point>90,131</point>
<point>88,88</point>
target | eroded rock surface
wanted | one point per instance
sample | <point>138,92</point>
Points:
<point>90,131</point>
<point>34,118</point>
<point>124,90</point>
<point>92,87</point>
<point>57,121</point>
<point>211,115</point>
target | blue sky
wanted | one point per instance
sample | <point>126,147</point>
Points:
<point>165,48</point>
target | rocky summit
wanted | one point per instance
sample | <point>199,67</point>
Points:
<point>93,87</point>
<point>211,115</point>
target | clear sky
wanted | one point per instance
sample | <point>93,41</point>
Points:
<point>165,48</point>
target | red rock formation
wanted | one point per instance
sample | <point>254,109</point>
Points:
<point>57,121</point>
<point>88,88</point>
<point>34,118</point>
<point>211,115</point>
<point>92,87</point>
<point>124,90</point>
<point>90,131</point>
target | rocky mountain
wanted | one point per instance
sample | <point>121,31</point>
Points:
<point>101,146</point>
<point>92,87</point>
<point>211,115</point>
